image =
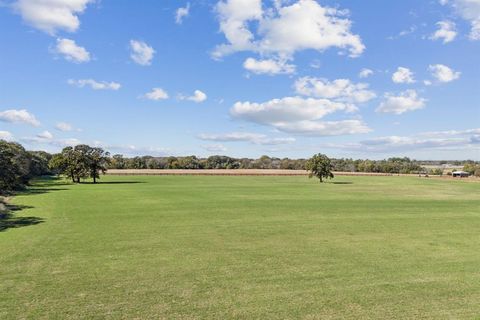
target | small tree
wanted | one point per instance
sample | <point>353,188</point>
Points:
<point>319,166</point>
<point>477,172</point>
<point>469,167</point>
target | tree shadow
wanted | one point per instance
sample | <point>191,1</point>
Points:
<point>9,221</point>
<point>41,190</point>
<point>8,211</point>
<point>113,182</point>
<point>50,181</point>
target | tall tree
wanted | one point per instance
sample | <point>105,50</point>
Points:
<point>71,162</point>
<point>97,161</point>
<point>14,166</point>
<point>320,166</point>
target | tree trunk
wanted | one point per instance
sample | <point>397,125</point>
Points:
<point>94,179</point>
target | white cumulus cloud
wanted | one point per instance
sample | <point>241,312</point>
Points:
<point>446,31</point>
<point>19,116</point>
<point>64,126</point>
<point>198,96</point>
<point>398,104</point>
<point>299,115</point>
<point>443,74</point>
<point>284,28</point>
<point>46,135</point>
<point>59,143</point>
<point>141,53</point>
<point>468,10</point>
<point>52,15</point>
<point>255,138</point>
<point>71,51</point>
<point>5,135</point>
<point>268,66</point>
<point>365,73</point>
<point>287,109</point>
<point>95,85</point>
<point>324,128</point>
<point>156,94</point>
<point>182,13</point>
<point>340,89</point>
<point>441,140</point>
<point>403,75</point>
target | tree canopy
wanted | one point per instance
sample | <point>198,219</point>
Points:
<point>18,166</point>
<point>320,166</point>
<point>80,162</point>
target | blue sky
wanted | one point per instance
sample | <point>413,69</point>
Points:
<point>243,77</point>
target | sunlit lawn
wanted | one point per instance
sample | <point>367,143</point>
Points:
<point>193,247</point>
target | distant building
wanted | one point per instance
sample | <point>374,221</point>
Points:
<point>460,174</point>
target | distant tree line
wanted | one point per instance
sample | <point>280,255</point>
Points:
<point>391,165</point>
<point>213,162</point>
<point>18,166</point>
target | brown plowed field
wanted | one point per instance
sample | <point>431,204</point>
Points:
<point>227,172</point>
<point>253,172</point>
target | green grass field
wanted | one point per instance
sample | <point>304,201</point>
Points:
<point>196,247</point>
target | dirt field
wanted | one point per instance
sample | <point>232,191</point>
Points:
<point>251,172</point>
<point>228,172</point>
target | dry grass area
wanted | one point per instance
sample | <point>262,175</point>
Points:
<point>228,172</point>
<point>256,172</point>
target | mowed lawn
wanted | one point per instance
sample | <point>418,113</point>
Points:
<point>222,247</point>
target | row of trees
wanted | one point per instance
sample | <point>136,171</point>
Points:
<point>18,166</point>
<point>213,162</point>
<point>392,165</point>
<point>80,162</point>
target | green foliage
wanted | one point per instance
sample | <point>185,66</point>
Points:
<point>436,172</point>
<point>14,166</point>
<point>118,162</point>
<point>320,166</point>
<point>80,162</point>
<point>97,161</point>
<point>472,168</point>
<point>18,166</point>
<point>392,165</point>
<point>221,162</point>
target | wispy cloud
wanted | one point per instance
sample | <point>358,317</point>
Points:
<point>19,116</point>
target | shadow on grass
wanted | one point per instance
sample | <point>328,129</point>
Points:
<point>341,182</point>
<point>9,221</point>
<point>112,182</point>
<point>8,212</point>
<point>40,190</point>
<point>50,181</point>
